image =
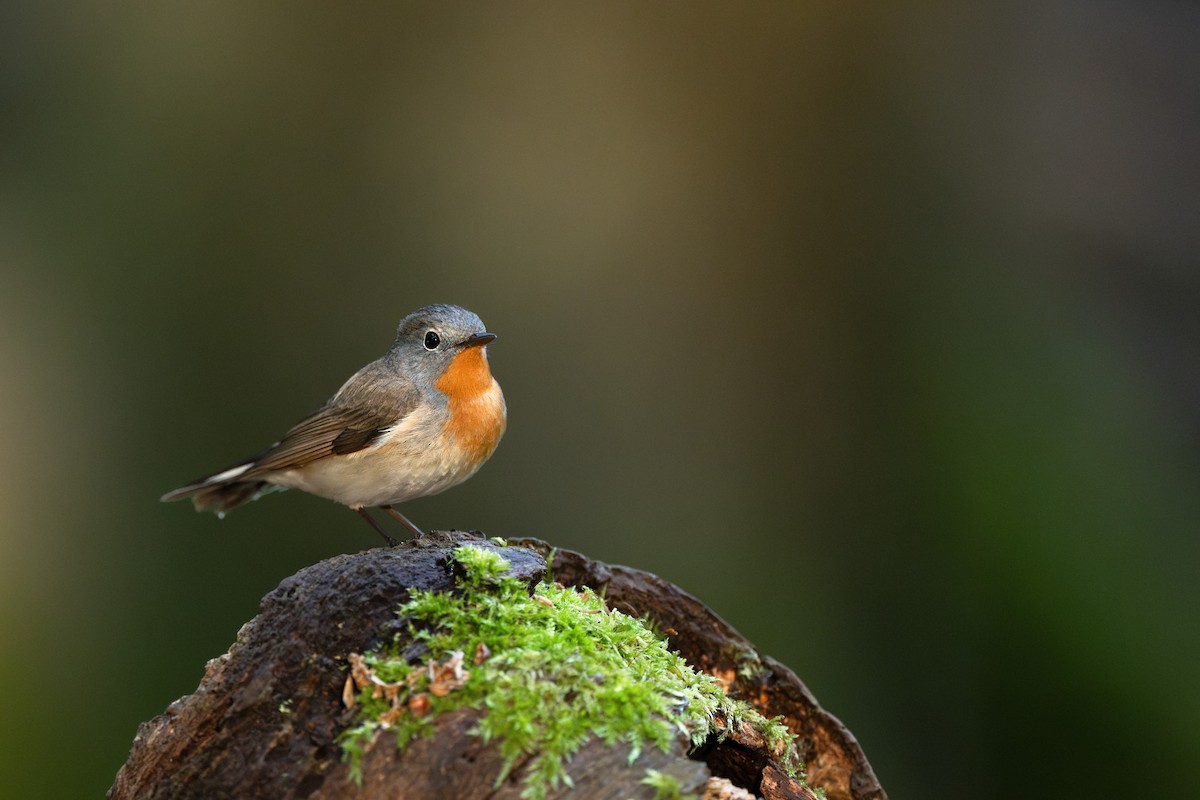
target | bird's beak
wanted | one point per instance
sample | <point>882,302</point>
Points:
<point>477,339</point>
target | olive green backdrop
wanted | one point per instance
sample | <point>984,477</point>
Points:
<point>876,330</point>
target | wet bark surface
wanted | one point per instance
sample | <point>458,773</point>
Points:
<point>264,721</point>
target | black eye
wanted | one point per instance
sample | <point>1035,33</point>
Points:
<point>432,340</point>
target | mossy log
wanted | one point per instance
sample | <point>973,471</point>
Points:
<point>265,719</point>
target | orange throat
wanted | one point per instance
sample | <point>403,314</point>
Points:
<point>477,414</point>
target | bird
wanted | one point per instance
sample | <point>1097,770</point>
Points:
<point>422,418</point>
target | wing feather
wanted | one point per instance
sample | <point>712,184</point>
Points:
<point>370,404</point>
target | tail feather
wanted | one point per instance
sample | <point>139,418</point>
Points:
<point>220,496</point>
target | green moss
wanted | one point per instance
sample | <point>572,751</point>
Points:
<point>550,669</point>
<point>665,786</point>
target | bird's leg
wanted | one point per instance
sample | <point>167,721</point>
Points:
<point>403,520</point>
<point>362,512</point>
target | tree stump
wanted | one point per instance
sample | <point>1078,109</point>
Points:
<point>264,721</point>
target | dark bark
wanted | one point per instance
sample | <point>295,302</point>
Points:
<point>263,722</point>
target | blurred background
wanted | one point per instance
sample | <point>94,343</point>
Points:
<point>875,328</point>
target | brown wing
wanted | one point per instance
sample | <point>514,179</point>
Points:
<point>368,405</point>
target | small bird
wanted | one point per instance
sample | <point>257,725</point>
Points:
<point>415,422</point>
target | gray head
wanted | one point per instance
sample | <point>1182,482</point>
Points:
<point>429,338</point>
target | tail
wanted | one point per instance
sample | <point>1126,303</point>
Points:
<point>223,491</point>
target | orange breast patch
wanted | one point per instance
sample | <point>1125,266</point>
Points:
<point>477,415</point>
<point>467,376</point>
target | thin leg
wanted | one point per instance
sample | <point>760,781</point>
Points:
<point>403,520</point>
<point>362,512</point>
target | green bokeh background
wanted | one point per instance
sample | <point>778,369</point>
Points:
<point>875,329</point>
